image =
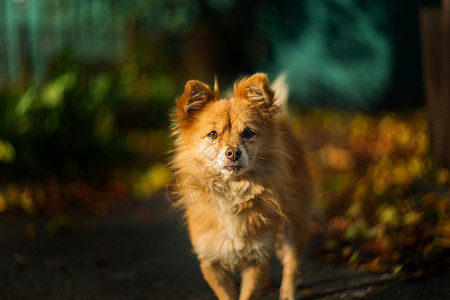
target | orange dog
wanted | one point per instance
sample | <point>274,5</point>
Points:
<point>243,183</point>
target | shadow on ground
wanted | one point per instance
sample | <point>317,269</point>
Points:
<point>143,253</point>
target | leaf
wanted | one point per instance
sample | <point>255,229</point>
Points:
<point>354,258</point>
<point>355,230</point>
<point>442,176</point>
<point>375,265</point>
<point>152,181</point>
<point>412,218</point>
<point>331,245</point>
<point>52,94</point>
<point>337,158</point>
<point>396,270</point>
<point>59,223</point>
<point>7,151</point>
<point>389,216</point>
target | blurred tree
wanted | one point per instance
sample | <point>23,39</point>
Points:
<point>435,29</point>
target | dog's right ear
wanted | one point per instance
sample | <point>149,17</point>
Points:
<point>196,95</point>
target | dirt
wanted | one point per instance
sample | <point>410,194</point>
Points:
<point>143,252</point>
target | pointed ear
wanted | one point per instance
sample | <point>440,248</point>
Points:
<point>255,88</point>
<point>196,95</point>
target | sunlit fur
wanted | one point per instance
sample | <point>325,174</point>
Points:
<point>239,212</point>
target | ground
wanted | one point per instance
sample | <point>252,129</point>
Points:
<point>143,252</point>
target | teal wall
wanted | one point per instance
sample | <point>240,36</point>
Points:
<point>351,53</point>
<point>33,33</point>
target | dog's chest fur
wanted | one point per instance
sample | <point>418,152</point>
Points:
<point>231,226</point>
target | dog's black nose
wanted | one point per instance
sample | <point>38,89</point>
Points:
<point>233,154</point>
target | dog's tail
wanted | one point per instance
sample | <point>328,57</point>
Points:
<point>281,89</point>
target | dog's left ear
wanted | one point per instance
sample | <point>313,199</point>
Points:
<point>255,88</point>
<point>196,95</point>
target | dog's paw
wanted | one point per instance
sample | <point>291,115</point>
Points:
<point>287,297</point>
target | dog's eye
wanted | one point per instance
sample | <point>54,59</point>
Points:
<point>212,135</point>
<point>248,133</point>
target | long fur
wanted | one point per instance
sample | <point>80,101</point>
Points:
<point>239,212</point>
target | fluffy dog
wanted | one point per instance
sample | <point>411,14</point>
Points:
<point>243,184</point>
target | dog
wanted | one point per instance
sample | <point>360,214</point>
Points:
<point>242,182</point>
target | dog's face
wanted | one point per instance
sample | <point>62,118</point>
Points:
<point>228,136</point>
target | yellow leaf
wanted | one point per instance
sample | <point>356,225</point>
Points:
<point>389,216</point>
<point>396,270</point>
<point>53,93</point>
<point>375,265</point>
<point>412,218</point>
<point>354,258</point>
<point>337,158</point>
<point>159,176</point>
<point>443,176</point>
<point>355,209</point>
<point>26,201</point>
<point>361,191</point>
<point>153,180</point>
<point>351,233</point>
<point>7,152</point>
<point>444,233</point>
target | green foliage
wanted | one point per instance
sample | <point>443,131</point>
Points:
<point>78,122</point>
<point>84,140</point>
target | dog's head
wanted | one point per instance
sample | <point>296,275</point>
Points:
<point>228,136</point>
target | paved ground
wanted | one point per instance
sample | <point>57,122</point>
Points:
<point>142,253</point>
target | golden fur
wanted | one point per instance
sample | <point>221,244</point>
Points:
<point>243,184</point>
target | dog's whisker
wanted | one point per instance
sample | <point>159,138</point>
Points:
<point>244,189</point>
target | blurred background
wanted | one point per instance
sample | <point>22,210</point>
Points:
<point>86,89</point>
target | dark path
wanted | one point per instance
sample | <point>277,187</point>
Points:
<point>144,254</point>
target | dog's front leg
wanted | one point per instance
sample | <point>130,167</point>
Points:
<point>219,280</point>
<point>253,278</point>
